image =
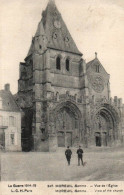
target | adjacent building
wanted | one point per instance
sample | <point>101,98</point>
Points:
<point>65,100</point>
<point>10,121</point>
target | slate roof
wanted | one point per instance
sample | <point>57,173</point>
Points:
<point>63,40</point>
<point>8,102</point>
<point>39,32</point>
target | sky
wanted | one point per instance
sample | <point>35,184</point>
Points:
<point>95,25</point>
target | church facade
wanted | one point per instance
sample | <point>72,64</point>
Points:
<point>65,101</point>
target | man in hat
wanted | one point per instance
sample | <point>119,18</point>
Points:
<point>68,154</point>
<point>80,155</point>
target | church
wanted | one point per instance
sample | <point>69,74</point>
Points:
<point>65,101</point>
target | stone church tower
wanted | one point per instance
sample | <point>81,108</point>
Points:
<point>64,100</point>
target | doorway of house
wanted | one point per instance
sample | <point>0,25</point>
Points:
<point>2,138</point>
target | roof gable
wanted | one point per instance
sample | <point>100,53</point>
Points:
<point>8,102</point>
<point>95,62</point>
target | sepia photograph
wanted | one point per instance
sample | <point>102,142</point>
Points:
<point>61,90</point>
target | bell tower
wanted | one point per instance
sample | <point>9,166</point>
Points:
<point>51,67</point>
<point>65,101</point>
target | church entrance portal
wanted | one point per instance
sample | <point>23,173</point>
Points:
<point>98,139</point>
<point>61,139</point>
<point>67,127</point>
<point>104,139</point>
<point>101,139</point>
<point>69,138</point>
<point>104,128</point>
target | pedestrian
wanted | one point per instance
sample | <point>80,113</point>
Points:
<point>80,155</point>
<point>68,154</point>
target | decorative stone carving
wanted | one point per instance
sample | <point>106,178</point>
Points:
<point>54,35</point>
<point>98,84</point>
<point>57,24</point>
<point>66,39</point>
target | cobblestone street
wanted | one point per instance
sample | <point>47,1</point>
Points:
<point>100,164</point>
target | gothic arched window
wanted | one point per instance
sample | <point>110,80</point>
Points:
<point>67,64</point>
<point>97,68</point>
<point>58,63</point>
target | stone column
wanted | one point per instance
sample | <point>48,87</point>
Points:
<point>86,105</point>
<point>52,139</point>
<point>47,76</point>
<point>109,92</point>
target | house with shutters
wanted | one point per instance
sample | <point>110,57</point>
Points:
<point>10,121</point>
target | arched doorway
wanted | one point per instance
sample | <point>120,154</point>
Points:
<point>67,127</point>
<point>67,124</point>
<point>105,126</point>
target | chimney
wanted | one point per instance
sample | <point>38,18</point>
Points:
<point>7,87</point>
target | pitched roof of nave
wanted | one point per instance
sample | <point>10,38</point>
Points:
<point>8,102</point>
<point>54,28</point>
<point>95,61</point>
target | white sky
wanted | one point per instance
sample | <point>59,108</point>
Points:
<point>95,25</point>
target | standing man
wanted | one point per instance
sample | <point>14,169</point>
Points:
<point>68,154</point>
<point>80,155</point>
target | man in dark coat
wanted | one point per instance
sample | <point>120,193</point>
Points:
<point>68,154</point>
<point>80,155</point>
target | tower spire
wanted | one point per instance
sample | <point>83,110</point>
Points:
<point>51,1</point>
<point>55,30</point>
